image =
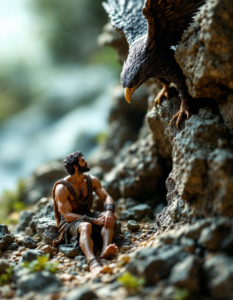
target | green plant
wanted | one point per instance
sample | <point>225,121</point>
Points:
<point>131,283</point>
<point>147,219</point>
<point>102,137</point>
<point>6,277</point>
<point>41,263</point>
<point>181,294</point>
<point>12,201</point>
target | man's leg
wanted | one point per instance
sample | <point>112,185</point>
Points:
<point>107,236</point>
<point>86,244</point>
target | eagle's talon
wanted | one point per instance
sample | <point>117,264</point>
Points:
<point>163,93</point>
<point>179,115</point>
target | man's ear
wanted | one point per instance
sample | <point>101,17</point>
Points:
<point>75,167</point>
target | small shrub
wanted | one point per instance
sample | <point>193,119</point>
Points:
<point>131,283</point>
<point>6,277</point>
<point>41,263</point>
<point>181,294</point>
<point>102,137</point>
<point>12,201</point>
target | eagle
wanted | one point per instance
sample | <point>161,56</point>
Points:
<point>153,29</point>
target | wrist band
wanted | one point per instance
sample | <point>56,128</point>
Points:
<point>88,219</point>
<point>109,206</point>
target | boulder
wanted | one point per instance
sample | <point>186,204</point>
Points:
<point>47,230</point>
<point>155,264</point>
<point>205,52</point>
<point>6,238</point>
<point>70,251</point>
<point>4,264</point>
<point>137,213</point>
<point>31,255</point>
<point>25,218</point>
<point>81,294</point>
<point>29,242</point>
<point>13,247</point>
<point>133,225</point>
<point>42,181</point>
<point>213,236</point>
<point>186,274</point>
<point>219,275</point>
<point>39,282</point>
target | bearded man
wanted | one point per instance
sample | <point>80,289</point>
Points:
<point>78,225</point>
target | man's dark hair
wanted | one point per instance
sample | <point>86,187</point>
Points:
<point>71,160</point>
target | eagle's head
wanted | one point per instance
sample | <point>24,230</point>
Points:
<point>136,70</point>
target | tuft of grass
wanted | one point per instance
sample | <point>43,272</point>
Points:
<point>12,201</point>
<point>6,276</point>
<point>41,263</point>
<point>102,137</point>
<point>147,219</point>
<point>181,294</point>
<point>131,283</point>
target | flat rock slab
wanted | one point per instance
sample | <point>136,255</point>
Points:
<point>39,282</point>
<point>70,251</point>
<point>31,255</point>
<point>133,225</point>
<point>81,294</point>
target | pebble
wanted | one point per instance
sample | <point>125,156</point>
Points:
<point>125,247</point>
<point>107,269</point>
<point>85,267</point>
<point>22,249</point>
<point>47,249</point>
<point>123,258</point>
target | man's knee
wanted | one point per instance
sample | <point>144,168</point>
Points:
<point>85,227</point>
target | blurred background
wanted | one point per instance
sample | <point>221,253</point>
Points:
<point>54,83</point>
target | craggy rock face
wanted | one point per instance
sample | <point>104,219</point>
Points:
<point>205,53</point>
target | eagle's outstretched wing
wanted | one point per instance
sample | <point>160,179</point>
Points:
<point>126,17</point>
<point>167,19</point>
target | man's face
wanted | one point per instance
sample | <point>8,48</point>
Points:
<point>82,165</point>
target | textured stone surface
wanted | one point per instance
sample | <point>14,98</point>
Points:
<point>200,183</point>
<point>6,238</point>
<point>29,242</point>
<point>39,282</point>
<point>81,294</point>
<point>137,213</point>
<point>44,224</point>
<point>186,274</point>
<point>42,180</point>
<point>4,264</point>
<point>155,264</point>
<point>31,255</point>
<point>132,225</point>
<point>70,251</point>
<point>206,51</point>
<point>219,275</point>
<point>25,218</point>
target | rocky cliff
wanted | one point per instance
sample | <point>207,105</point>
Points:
<point>179,179</point>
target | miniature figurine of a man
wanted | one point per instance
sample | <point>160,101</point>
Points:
<point>78,225</point>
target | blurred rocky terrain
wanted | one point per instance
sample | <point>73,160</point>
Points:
<point>173,188</point>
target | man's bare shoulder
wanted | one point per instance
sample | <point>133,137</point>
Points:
<point>62,191</point>
<point>95,182</point>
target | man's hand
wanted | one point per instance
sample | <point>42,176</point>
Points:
<point>109,219</point>
<point>99,221</point>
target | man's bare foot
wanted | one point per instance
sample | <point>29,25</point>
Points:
<point>110,250</point>
<point>95,267</point>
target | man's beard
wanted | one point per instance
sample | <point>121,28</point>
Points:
<point>83,169</point>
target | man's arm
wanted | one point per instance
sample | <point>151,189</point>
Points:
<point>63,203</point>
<point>103,195</point>
<point>65,208</point>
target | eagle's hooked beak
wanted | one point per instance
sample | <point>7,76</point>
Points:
<point>128,93</point>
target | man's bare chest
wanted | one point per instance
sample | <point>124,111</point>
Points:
<point>81,191</point>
